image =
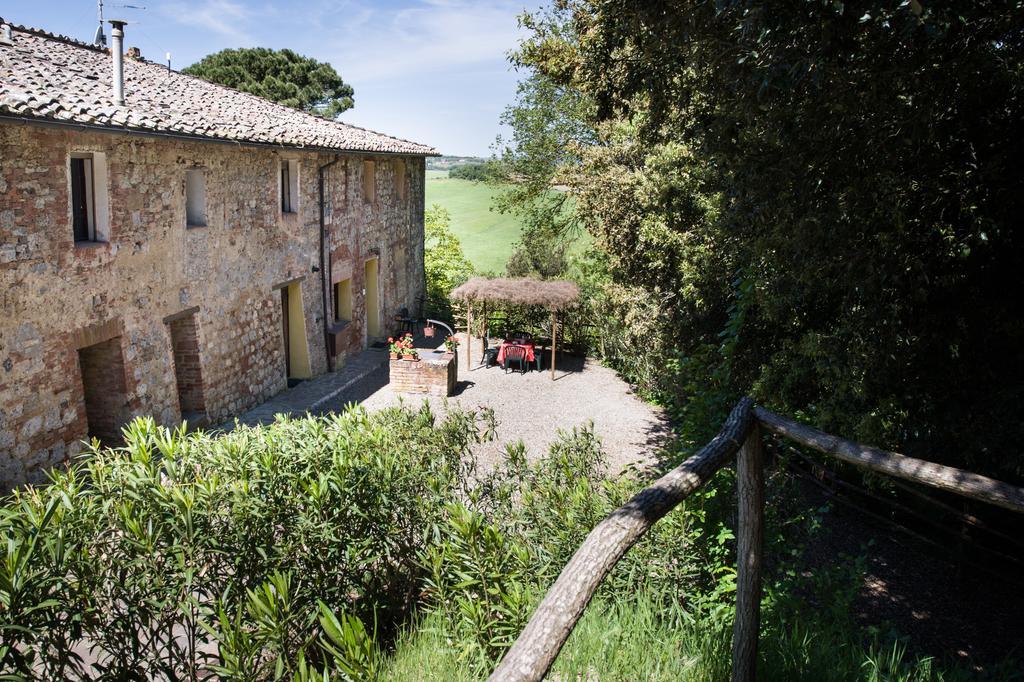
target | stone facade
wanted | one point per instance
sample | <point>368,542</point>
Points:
<point>91,331</point>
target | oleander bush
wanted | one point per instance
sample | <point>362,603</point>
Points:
<point>285,551</point>
<point>496,553</point>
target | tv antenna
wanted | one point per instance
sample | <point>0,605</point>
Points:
<point>100,40</point>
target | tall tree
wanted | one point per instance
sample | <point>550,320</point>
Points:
<point>279,75</point>
<point>855,176</point>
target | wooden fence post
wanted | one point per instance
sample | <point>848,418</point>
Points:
<point>749,551</point>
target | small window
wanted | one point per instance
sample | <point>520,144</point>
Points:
<point>400,179</point>
<point>343,301</point>
<point>369,181</point>
<point>89,212</point>
<point>328,195</point>
<point>289,186</point>
<point>195,198</point>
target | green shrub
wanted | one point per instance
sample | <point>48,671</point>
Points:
<point>257,554</point>
<point>664,612</point>
<point>494,555</point>
<point>299,550</point>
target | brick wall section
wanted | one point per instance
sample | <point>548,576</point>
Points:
<point>104,398</point>
<point>435,377</point>
<point>153,267</point>
<point>188,371</point>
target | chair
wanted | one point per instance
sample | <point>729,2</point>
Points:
<point>540,344</point>
<point>515,353</point>
<point>408,324</point>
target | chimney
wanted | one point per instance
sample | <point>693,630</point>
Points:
<point>117,51</point>
<point>6,37</point>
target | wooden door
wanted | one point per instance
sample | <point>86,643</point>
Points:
<point>284,329</point>
<point>372,283</point>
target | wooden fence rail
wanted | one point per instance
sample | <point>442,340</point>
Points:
<point>534,652</point>
<point>950,479</point>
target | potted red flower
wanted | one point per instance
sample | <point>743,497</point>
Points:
<point>451,344</point>
<point>407,350</point>
<point>394,348</point>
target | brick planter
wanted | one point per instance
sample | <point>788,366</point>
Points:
<point>434,374</point>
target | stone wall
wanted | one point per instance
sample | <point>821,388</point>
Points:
<point>59,297</point>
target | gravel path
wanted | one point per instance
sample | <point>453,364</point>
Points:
<point>534,408</point>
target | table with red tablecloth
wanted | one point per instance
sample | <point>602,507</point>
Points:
<point>527,345</point>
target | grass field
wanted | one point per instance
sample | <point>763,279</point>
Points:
<point>487,236</point>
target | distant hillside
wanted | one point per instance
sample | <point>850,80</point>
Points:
<point>450,162</point>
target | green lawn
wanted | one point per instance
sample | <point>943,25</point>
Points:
<point>487,236</point>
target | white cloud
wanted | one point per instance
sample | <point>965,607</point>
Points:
<point>368,40</point>
<point>226,18</point>
<point>375,43</point>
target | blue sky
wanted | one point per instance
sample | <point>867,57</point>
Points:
<point>433,71</point>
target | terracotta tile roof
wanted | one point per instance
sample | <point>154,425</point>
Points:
<point>55,78</point>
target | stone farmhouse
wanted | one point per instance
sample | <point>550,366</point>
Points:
<point>174,248</point>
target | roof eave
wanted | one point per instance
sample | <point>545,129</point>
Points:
<point>51,123</point>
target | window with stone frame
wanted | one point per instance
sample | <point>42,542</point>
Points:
<point>401,178</point>
<point>195,197</point>
<point>369,182</point>
<point>289,186</point>
<point>89,210</point>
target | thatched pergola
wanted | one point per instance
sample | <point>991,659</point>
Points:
<point>552,294</point>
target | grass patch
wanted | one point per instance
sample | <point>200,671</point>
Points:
<point>488,237</point>
<point>620,641</point>
<point>632,638</point>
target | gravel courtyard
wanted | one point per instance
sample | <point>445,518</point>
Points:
<point>533,408</point>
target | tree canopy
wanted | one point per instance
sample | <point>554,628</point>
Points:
<point>279,75</point>
<point>476,172</point>
<point>444,262</point>
<point>818,206</point>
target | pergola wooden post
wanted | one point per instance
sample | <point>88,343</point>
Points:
<point>555,295</point>
<point>554,339</point>
<point>469,332</point>
<point>483,319</point>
